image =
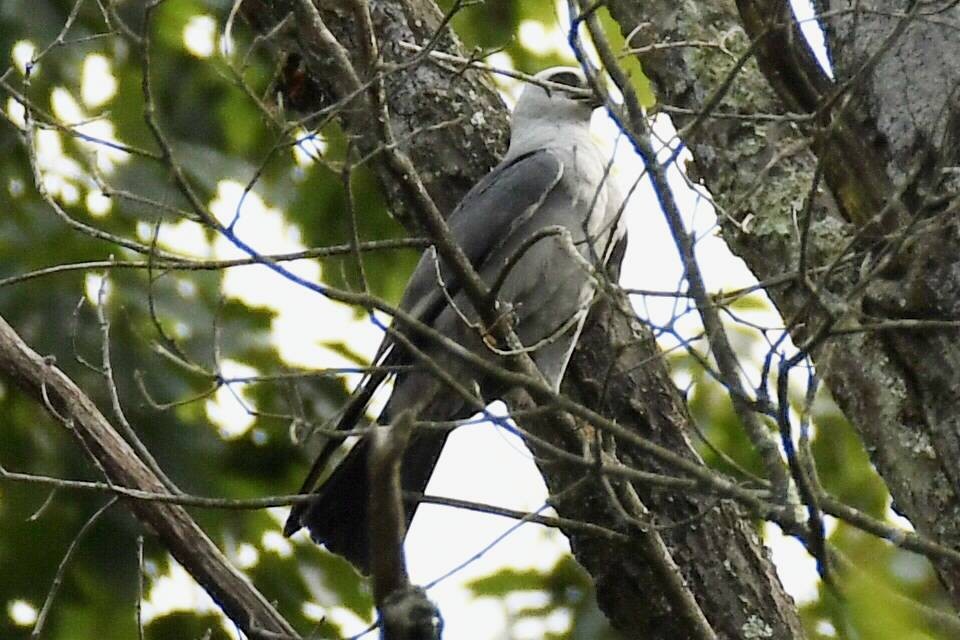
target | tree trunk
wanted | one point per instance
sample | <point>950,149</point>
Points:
<point>882,146</point>
<point>713,551</point>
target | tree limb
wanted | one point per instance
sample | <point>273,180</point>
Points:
<point>46,384</point>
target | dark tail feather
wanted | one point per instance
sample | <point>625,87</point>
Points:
<point>337,516</point>
<point>348,420</point>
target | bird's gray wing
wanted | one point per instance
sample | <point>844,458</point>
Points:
<point>481,222</point>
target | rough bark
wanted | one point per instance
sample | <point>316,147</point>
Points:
<point>618,370</point>
<point>121,466</point>
<point>427,97</point>
<point>900,388</point>
<point>713,546</point>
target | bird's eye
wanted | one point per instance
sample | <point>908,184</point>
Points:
<point>568,78</point>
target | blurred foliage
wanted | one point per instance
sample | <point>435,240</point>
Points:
<point>218,134</point>
<point>564,591</point>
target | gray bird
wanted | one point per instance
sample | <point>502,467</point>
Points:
<point>553,175</point>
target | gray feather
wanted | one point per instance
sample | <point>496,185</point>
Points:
<point>553,176</point>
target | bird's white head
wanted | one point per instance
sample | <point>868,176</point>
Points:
<point>565,97</point>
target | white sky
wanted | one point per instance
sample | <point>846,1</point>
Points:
<point>480,462</point>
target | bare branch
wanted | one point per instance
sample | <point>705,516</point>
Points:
<point>123,468</point>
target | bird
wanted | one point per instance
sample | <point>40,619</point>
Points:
<point>553,176</point>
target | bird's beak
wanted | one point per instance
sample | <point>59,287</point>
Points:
<point>591,99</point>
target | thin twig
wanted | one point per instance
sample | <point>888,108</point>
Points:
<point>62,568</point>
